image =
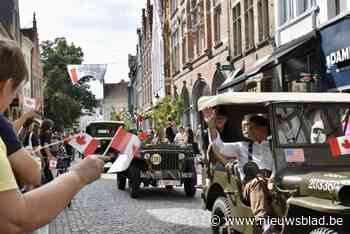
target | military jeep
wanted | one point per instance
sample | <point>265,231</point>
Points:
<point>310,145</point>
<point>161,165</point>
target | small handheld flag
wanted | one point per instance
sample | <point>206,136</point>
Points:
<point>84,143</point>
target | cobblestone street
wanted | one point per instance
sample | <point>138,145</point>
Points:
<point>102,208</point>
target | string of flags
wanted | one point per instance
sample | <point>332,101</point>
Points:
<point>78,72</point>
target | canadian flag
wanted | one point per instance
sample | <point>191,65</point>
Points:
<point>340,145</point>
<point>73,74</point>
<point>124,141</point>
<point>84,143</point>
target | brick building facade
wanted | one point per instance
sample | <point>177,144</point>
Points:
<point>205,36</point>
<point>251,30</point>
<point>198,41</point>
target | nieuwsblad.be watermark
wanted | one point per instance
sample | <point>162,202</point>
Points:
<point>289,221</point>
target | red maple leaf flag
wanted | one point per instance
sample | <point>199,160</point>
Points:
<point>84,143</point>
<point>123,141</point>
<point>339,145</point>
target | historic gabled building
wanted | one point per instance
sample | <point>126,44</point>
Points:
<point>115,99</point>
<point>10,29</point>
<point>36,77</point>
<point>214,42</point>
<point>9,20</point>
<point>251,33</point>
<point>198,42</point>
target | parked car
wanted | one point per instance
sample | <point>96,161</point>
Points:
<point>312,178</point>
<point>104,131</point>
<point>161,165</point>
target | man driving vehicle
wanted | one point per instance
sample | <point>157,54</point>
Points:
<point>255,163</point>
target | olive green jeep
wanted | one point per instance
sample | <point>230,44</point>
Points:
<point>310,144</point>
<point>161,165</point>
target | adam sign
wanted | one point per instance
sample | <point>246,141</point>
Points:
<point>338,57</point>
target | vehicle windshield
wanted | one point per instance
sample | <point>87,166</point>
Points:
<point>102,129</point>
<point>311,123</point>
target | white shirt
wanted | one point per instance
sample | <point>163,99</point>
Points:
<point>180,138</point>
<point>261,153</point>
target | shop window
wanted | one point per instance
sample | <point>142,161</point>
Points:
<point>266,84</point>
<point>249,24</point>
<point>252,87</point>
<point>298,73</point>
<point>263,19</point>
<point>237,30</point>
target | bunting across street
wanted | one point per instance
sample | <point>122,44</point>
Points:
<point>77,72</point>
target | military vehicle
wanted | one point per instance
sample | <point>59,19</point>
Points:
<point>161,165</point>
<point>310,145</point>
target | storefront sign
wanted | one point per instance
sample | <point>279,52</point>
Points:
<point>337,57</point>
<point>335,54</point>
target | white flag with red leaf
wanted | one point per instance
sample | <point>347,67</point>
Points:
<point>339,146</point>
<point>84,143</point>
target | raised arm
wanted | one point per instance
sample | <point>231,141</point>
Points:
<point>226,150</point>
<point>20,213</point>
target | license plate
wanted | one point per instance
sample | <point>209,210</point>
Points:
<point>169,182</point>
<point>109,164</point>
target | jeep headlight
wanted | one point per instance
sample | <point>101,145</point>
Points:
<point>156,159</point>
<point>147,156</point>
<point>181,156</point>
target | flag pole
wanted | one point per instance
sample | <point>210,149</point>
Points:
<point>108,147</point>
<point>54,143</point>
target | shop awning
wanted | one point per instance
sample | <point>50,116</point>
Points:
<point>269,62</point>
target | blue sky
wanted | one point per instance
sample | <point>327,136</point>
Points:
<point>105,29</point>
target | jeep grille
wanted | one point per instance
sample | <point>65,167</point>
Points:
<point>169,161</point>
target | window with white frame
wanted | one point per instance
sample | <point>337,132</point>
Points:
<point>303,5</point>
<point>249,23</point>
<point>290,9</point>
<point>237,30</point>
<point>217,21</point>
<point>263,19</point>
